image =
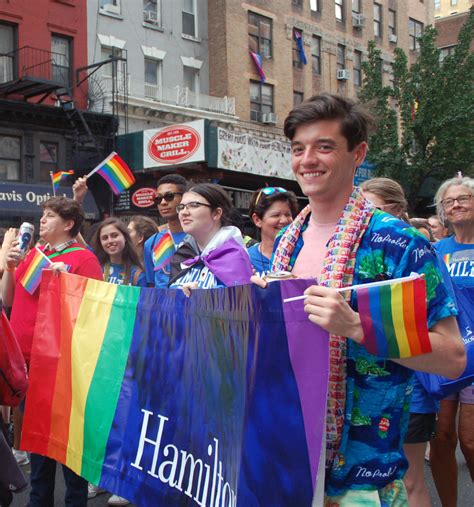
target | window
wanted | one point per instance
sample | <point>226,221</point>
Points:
<point>152,12</point>
<point>260,35</point>
<point>48,159</point>
<point>316,54</point>
<point>314,5</point>
<point>377,20</point>
<point>454,2</point>
<point>297,63</point>
<point>298,98</point>
<point>356,6</point>
<point>191,78</point>
<point>107,70</point>
<point>10,158</point>
<point>437,4</point>
<point>339,10</point>
<point>61,59</point>
<point>297,3</point>
<point>152,78</point>
<point>447,51</point>
<point>189,18</point>
<point>261,100</point>
<point>341,57</point>
<point>392,22</point>
<point>7,45</point>
<point>112,6</point>
<point>415,30</point>
<point>357,68</point>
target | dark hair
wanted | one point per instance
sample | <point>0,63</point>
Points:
<point>129,255</point>
<point>355,120</point>
<point>174,179</point>
<point>67,209</point>
<point>217,197</point>
<point>260,202</point>
<point>145,226</point>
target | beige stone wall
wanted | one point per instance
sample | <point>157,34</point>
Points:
<point>231,68</point>
<point>446,9</point>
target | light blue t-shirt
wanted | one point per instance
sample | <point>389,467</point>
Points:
<point>159,278</point>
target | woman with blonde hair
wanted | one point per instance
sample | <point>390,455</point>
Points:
<point>387,195</point>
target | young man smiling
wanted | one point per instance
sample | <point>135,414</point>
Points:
<point>169,192</point>
<point>334,240</point>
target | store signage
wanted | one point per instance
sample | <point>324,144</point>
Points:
<point>250,154</point>
<point>174,144</point>
<point>144,197</point>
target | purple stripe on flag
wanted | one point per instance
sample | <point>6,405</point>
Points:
<point>309,354</point>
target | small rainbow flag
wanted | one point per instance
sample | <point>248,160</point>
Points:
<point>59,176</point>
<point>115,172</point>
<point>32,277</point>
<point>393,317</point>
<point>447,259</point>
<point>163,251</point>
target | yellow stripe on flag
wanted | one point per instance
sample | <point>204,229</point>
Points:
<point>86,344</point>
<point>398,320</point>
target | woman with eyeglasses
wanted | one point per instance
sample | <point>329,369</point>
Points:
<point>455,204</point>
<point>271,209</point>
<point>213,253</point>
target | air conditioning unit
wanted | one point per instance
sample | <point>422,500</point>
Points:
<point>392,37</point>
<point>343,75</point>
<point>150,17</point>
<point>269,118</point>
<point>358,20</point>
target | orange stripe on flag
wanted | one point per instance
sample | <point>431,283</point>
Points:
<point>410,318</point>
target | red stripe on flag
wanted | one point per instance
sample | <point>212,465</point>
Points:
<point>419,287</point>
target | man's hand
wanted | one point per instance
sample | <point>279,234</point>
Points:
<point>329,310</point>
<point>58,267</point>
<point>79,189</point>
<point>14,255</point>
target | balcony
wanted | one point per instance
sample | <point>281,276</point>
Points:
<point>158,97</point>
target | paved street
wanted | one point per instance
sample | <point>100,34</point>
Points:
<point>466,496</point>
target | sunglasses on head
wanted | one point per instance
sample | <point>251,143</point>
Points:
<point>168,197</point>
<point>269,191</point>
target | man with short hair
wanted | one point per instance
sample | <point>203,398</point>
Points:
<point>169,192</point>
<point>59,225</point>
<point>340,239</point>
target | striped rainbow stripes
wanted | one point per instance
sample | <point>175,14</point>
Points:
<point>32,276</point>
<point>57,177</point>
<point>447,259</point>
<point>163,251</point>
<point>116,172</point>
<point>394,318</point>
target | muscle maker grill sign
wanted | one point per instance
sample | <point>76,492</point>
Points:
<point>174,144</point>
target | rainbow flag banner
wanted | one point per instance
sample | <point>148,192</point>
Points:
<point>394,317</point>
<point>59,176</point>
<point>32,277</point>
<point>163,251</point>
<point>115,172</point>
<point>163,399</point>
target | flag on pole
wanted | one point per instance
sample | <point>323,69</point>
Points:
<point>393,317</point>
<point>257,60</point>
<point>115,172</point>
<point>163,251</point>
<point>57,177</point>
<point>299,44</point>
<point>32,277</point>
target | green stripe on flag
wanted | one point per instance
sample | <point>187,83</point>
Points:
<point>387,318</point>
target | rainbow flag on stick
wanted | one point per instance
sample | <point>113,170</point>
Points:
<point>163,251</point>
<point>394,317</point>
<point>115,172</point>
<point>57,177</point>
<point>32,277</point>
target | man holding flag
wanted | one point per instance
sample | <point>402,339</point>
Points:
<point>341,240</point>
<point>59,225</point>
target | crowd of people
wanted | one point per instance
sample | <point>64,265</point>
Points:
<point>345,236</point>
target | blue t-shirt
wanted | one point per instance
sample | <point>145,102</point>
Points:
<point>117,275</point>
<point>260,263</point>
<point>158,278</point>
<point>200,274</point>
<point>378,391</point>
<point>459,259</point>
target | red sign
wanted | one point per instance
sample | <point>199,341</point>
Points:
<point>144,197</point>
<point>174,144</point>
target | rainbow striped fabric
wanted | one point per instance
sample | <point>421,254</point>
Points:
<point>447,259</point>
<point>163,251</point>
<point>58,177</point>
<point>116,173</point>
<point>32,277</point>
<point>393,317</point>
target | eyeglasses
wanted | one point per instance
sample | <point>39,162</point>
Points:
<point>168,197</point>
<point>191,205</point>
<point>462,199</point>
<point>269,191</point>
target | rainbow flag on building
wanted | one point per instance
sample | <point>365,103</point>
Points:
<point>159,398</point>
<point>115,172</point>
<point>163,251</point>
<point>32,277</point>
<point>394,317</point>
<point>59,176</point>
